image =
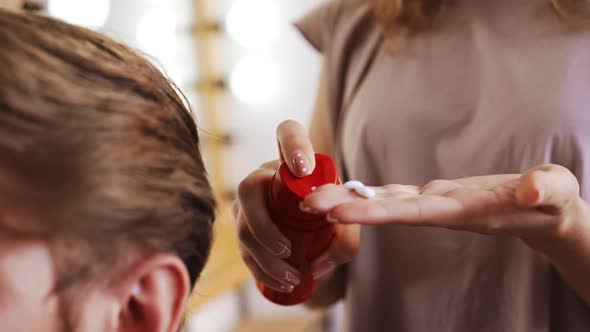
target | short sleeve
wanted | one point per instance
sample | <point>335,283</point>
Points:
<point>318,26</point>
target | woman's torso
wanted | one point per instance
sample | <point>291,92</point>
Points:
<point>498,88</point>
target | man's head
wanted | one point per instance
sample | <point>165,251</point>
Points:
<point>105,208</point>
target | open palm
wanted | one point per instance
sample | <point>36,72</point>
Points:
<point>524,205</point>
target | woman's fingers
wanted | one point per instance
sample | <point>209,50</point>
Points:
<point>263,247</point>
<point>405,205</point>
<point>486,182</point>
<point>489,204</point>
<point>327,197</point>
<point>252,192</point>
<point>263,263</point>
<point>295,148</point>
<point>418,210</point>
<point>260,275</point>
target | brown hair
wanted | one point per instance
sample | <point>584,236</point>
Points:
<point>419,15</point>
<point>106,145</point>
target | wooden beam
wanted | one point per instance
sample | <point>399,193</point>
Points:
<point>225,270</point>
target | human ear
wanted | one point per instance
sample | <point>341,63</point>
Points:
<point>153,295</point>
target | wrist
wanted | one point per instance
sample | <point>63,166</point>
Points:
<point>329,290</point>
<point>573,227</point>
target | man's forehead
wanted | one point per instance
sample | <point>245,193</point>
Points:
<point>27,268</point>
<point>19,249</point>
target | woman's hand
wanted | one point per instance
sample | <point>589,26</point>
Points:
<point>262,245</point>
<point>542,204</point>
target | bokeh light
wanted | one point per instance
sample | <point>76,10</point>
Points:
<point>254,24</point>
<point>256,80</point>
<point>87,13</point>
<point>156,32</point>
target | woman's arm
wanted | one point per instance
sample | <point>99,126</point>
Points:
<point>542,207</point>
<point>329,290</point>
<point>570,253</point>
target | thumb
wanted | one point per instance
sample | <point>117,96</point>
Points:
<point>547,185</point>
<point>295,148</point>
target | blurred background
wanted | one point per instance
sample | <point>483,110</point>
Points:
<point>243,69</point>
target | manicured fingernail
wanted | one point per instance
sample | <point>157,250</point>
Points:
<point>540,195</point>
<point>136,289</point>
<point>280,248</point>
<point>331,219</point>
<point>301,164</point>
<point>286,288</point>
<point>291,278</point>
<point>323,269</point>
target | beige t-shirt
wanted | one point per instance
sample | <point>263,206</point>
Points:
<point>499,86</point>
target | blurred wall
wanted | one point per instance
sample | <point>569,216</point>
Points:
<point>297,65</point>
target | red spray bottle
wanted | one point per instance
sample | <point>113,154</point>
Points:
<point>310,235</point>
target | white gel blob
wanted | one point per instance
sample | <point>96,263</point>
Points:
<point>366,192</point>
<point>360,189</point>
<point>353,184</point>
